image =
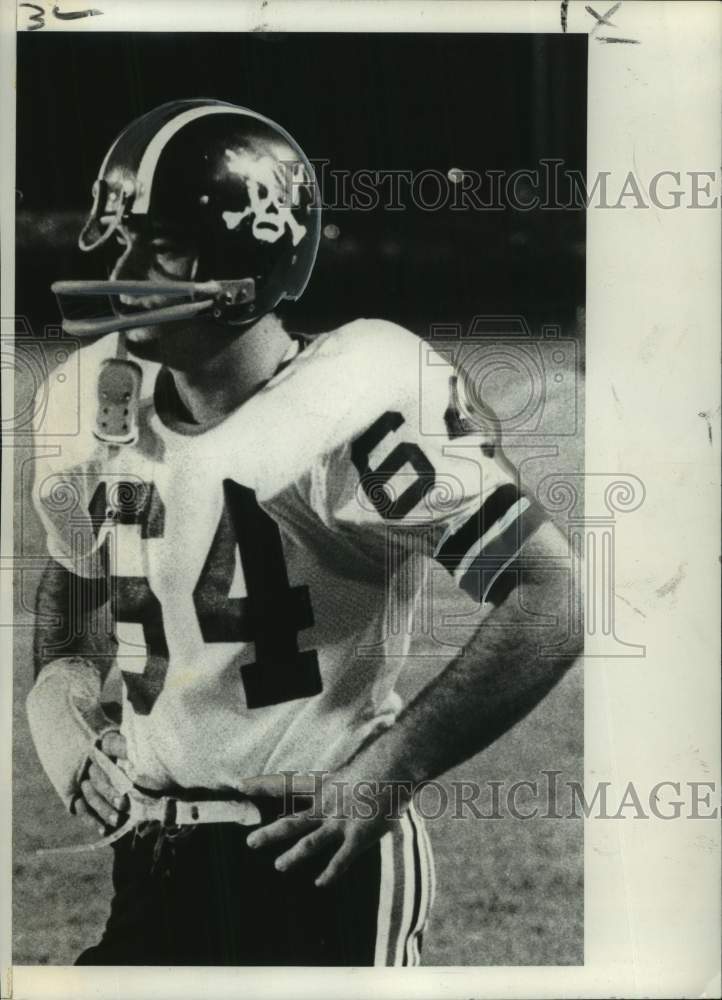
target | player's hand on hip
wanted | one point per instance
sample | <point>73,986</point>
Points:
<point>100,801</point>
<point>345,817</point>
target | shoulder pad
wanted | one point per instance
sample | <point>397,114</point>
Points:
<point>67,402</point>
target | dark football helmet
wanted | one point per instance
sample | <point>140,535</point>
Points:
<point>235,184</point>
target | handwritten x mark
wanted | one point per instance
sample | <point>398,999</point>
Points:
<point>603,19</point>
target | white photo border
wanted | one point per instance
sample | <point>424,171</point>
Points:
<point>652,889</point>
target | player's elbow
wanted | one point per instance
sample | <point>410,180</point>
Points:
<point>72,618</point>
<point>552,590</point>
<point>541,594</point>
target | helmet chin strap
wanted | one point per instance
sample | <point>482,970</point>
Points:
<point>223,300</point>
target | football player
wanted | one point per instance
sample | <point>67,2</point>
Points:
<point>235,527</point>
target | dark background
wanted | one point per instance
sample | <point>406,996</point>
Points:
<point>509,892</point>
<point>376,102</point>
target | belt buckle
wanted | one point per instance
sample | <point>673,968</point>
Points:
<point>170,811</point>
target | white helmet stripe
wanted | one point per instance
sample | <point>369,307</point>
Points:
<point>149,160</point>
<point>108,155</point>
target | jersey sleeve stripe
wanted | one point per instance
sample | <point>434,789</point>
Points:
<point>482,580</point>
<point>495,531</point>
<point>453,548</point>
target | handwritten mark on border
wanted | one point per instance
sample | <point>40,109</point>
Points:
<point>617,41</point>
<point>37,19</point>
<point>603,19</point>
<point>72,15</point>
<point>564,13</point>
<point>600,20</point>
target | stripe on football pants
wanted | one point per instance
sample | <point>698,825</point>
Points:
<point>430,867</point>
<point>413,944</point>
<point>386,898</point>
<point>406,892</point>
<point>411,954</point>
<point>408,887</point>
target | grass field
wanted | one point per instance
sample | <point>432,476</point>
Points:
<point>510,891</point>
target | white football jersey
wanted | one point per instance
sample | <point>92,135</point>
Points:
<point>256,564</point>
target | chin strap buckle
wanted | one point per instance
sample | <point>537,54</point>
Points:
<point>235,300</point>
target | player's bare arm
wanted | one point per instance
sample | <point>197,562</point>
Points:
<point>500,676</point>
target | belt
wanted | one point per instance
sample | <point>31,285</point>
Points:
<point>168,810</point>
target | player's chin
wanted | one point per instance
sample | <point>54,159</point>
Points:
<point>179,344</point>
<point>144,333</point>
<point>145,341</point>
